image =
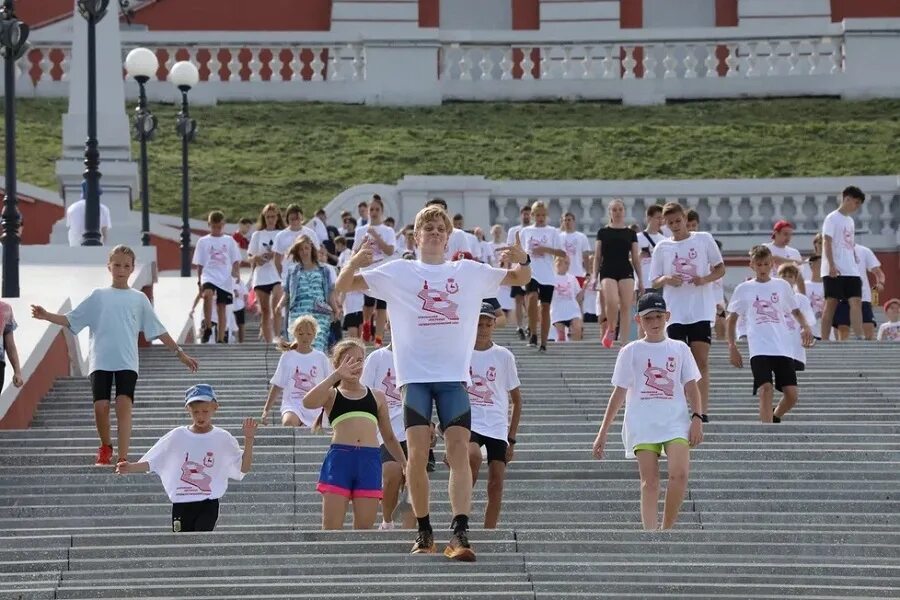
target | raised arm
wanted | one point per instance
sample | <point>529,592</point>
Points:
<point>349,279</point>
<point>40,313</point>
<point>515,255</point>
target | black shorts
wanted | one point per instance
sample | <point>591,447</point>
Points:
<point>493,302</point>
<point>701,331</point>
<point>266,289</point>
<point>102,382</point>
<point>369,302</point>
<point>2,374</point>
<point>544,292</point>
<point>516,291</point>
<point>590,318</point>
<point>222,297</point>
<point>842,314</point>
<point>783,368</point>
<point>387,457</point>
<point>240,316</point>
<point>352,320</point>
<point>842,287</point>
<point>618,273</point>
<point>496,449</point>
<point>195,516</point>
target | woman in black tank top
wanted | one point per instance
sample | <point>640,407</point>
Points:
<point>616,261</point>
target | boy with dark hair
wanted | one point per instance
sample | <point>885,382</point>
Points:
<point>218,261</point>
<point>840,273</point>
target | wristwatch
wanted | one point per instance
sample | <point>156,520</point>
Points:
<point>527,260</point>
<point>512,441</point>
<point>697,415</point>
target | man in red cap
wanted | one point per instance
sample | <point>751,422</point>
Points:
<point>779,246</point>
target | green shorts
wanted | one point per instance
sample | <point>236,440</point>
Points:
<point>658,448</point>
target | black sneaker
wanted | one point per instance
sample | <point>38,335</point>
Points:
<point>521,333</point>
<point>459,548</point>
<point>704,418</point>
<point>543,348</point>
<point>424,543</point>
<point>431,462</point>
<point>533,341</point>
<point>775,419</point>
<point>207,333</point>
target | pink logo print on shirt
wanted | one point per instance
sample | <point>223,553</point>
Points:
<point>659,380</point>
<point>848,239</point>
<point>438,302</point>
<point>389,383</point>
<point>218,256</point>
<point>479,392</point>
<point>570,248</point>
<point>303,381</point>
<point>684,267</point>
<point>818,304</point>
<point>193,473</point>
<point>564,290</point>
<point>766,312</point>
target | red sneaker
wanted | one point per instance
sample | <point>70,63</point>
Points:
<point>367,331</point>
<point>378,342</point>
<point>104,456</point>
<point>608,338</point>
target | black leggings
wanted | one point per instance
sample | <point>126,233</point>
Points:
<point>195,516</point>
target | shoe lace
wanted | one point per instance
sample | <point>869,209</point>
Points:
<point>462,538</point>
<point>424,539</point>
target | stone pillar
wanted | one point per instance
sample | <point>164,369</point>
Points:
<point>120,173</point>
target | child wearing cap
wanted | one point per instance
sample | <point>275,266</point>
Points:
<point>890,330</point>
<point>655,377</point>
<point>195,462</point>
<point>782,253</point>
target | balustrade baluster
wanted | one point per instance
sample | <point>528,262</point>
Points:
<point>669,62</point>
<point>712,61</point>
<point>546,65</point>
<point>64,64</point>
<point>690,62</point>
<point>276,64</point>
<point>465,65</point>
<point>254,64</point>
<point>609,63</point>
<point>587,63</point>
<point>506,65</point>
<point>527,63</point>
<point>650,62</point>
<point>629,63</point>
<point>486,64</point>
<point>214,65</point>
<point>234,64</point>
<point>732,61</point>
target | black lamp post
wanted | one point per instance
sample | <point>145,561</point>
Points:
<point>92,11</point>
<point>13,44</point>
<point>142,64</point>
<point>184,76</point>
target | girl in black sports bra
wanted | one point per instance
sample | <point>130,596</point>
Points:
<point>352,468</point>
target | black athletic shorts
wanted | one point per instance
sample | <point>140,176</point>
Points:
<point>195,516</point>
<point>516,290</point>
<point>387,457</point>
<point>267,288</point>
<point>369,301</point>
<point>496,449</point>
<point>240,316</point>
<point>616,273</point>
<point>544,292</point>
<point>102,383</point>
<point>590,318</point>
<point>842,287</point>
<point>222,297</point>
<point>842,314</point>
<point>701,331</point>
<point>782,368</point>
<point>352,320</point>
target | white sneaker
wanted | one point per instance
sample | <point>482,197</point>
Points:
<point>403,506</point>
<point>385,526</point>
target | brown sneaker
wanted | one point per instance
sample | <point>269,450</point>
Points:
<point>459,549</point>
<point>424,543</point>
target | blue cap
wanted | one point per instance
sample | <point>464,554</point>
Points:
<point>202,392</point>
<point>651,302</point>
<point>84,189</point>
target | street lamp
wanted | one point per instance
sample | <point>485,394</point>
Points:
<point>184,76</point>
<point>13,44</point>
<point>92,11</point>
<point>141,65</point>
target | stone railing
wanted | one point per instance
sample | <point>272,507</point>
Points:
<point>849,59</point>
<point>740,212</point>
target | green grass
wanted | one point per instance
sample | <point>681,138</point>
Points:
<point>250,154</point>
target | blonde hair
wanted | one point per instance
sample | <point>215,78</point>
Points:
<point>538,204</point>
<point>433,212</point>
<point>122,249</point>
<point>788,270</point>
<point>295,332</point>
<point>337,354</point>
<point>294,250</point>
<point>609,208</point>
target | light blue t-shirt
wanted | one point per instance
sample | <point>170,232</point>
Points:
<point>115,317</point>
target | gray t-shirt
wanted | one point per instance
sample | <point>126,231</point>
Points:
<point>115,318</point>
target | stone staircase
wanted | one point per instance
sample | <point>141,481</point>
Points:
<point>808,508</point>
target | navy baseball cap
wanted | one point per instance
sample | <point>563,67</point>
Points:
<point>202,392</point>
<point>84,189</point>
<point>488,310</point>
<point>651,302</point>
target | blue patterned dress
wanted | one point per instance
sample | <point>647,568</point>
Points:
<point>306,288</point>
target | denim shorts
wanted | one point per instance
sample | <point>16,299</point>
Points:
<point>450,397</point>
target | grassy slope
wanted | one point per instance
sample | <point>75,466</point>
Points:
<point>250,154</point>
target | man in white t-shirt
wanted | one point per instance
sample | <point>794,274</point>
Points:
<point>647,241</point>
<point>840,273</point>
<point>543,245</point>
<point>764,304</point>
<point>517,292</point>
<point>472,242</point>
<point>684,267</point>
<point>75,215</point>
<point>577,247</point>
<point>318,224</point>
<point>434,307</point>
<point>782,253</point>
<point>867,263</point>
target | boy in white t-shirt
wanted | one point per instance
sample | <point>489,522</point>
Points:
<point>434,307</point>
<point>577,246</point>
<point>866,262</point>
<point>218,261</point>
<point>543,244</point>
<point>517,292</point>
<point>791,274</point>
<point>495,384</point>
<point>352,302</point>
<point>762,304</point>
<point>195,463</point>
<point>565,308</point>
<point>840,273</point>
<point>890,330</point>
<point>382,239</point>
<point>655,377</point>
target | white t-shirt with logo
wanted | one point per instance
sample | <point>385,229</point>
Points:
<point>564,305</point>
<point>195,466</point>
<point>645,249</point>
<point>239,291</point>
<point>693,256</point>
<point>654,373</point>
<point>786,253</point>
<point>353,301</point>
<point>542,269</point>
<point>433,310</point>
<point>263,242</point>
<point>889,332</point>
<point>762,307</point>
<point>387,235</point>
<point>842,231</point>
<point>815,292</point>
<point>494,375</point>
<point>297,374</point>
<point>75,221</point>
<point>217,255</point>
<point>865,262</point>
<point>379,374</point>
<point>575,244</point>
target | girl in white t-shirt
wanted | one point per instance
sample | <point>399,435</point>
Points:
<point>565,308</point>
<point>266,262</point>
<point>655,377</point>
<point>382,240</point>
<point>299,369</point>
